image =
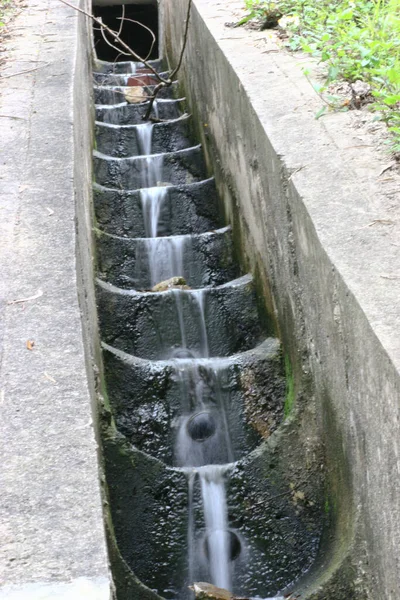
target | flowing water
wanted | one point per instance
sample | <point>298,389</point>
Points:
<point>215,515</point>
<point>152,200</point>
<point>164,256</point>
<point>144,136</point>
<point>202,436</point>
<point>202,445</point>
<point>201,416</point>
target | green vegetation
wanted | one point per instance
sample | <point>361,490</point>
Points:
<point>327,507</point>
<point>289,400</point>
<point>357,39</point>
<point>5,8</point>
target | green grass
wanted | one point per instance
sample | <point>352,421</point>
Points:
<point>6,8</point>
<point>356,39</point>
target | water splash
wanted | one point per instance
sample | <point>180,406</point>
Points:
<point>191,529</point>
<point>156,109</point>
<point>144,134</point>
<point>152,200</point>
<point>222,409</point>
<point>165,257</point>
<point>216,520</point>
<point>202,431</point>
<point>152,170</point>
<point>199,296</point>
<point>179,309</point>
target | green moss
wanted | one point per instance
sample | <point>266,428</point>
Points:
<point>327,507</point>
<point>289,400</point>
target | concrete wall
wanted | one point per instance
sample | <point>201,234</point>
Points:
<point>304,204</point>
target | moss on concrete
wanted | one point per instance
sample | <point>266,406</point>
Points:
<point>290,393</point>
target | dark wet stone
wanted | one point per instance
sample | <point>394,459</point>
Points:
<point>122,141</point>
<point>186,209</point>
<point>207,259</point>
<point>129,114</point>
<point>201,426</point>
<point>176,168</point>
<point>235,545</point>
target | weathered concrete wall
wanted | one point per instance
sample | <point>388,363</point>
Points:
<point>302,201</point>
<point>52,530</point>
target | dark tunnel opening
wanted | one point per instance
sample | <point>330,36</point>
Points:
<point>137,21</point>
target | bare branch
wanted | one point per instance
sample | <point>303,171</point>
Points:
<point>111,45</point>
<point>159,87</point>
<point>122,20</point>
<point>127,50</point>
<point>185,36</point>
<point>119,40</point>
<point>144,27</point>
<point>156,90</point>
<point>22,72</point>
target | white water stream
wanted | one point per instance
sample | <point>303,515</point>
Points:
<point>198,296</point>
<point>203,446</point>
<point>165,257</point>
<point>202,443</point>
<point>152,200</point>
<point>216,520</point>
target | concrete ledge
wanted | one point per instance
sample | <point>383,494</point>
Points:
<point>308,208</point>
<point>51,513</point>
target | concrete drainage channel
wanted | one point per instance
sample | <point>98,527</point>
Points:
<point>199,467</point>
<point>306,483</point>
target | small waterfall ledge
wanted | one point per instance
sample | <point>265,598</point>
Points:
<point>195,443</point>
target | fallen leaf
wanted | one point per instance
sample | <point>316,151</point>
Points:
<point>135,95</point>
<point>30,344</point>
<point>299,495</point>
<point>50,211</point>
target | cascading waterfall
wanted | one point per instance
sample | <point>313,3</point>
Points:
<point>194,386</point>
<point>144,137</point>
<point>152,170</point>
<point>164,254</point>
<point>151,164</point>
<point>152,200</point>
<point>179,309</point>
<point>203,441</point>
<point>198,296</point>
<point>217,539</point>
<point>165,257</point>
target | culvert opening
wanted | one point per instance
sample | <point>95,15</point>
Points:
<point>192,380</point>
<point>133,21</point>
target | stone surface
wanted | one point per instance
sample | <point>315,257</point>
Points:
<point>204,591</point>
<point>171,284</point>
<point>51,514</point>
<point>318,221</point>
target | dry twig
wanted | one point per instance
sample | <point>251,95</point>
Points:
<point>23,72</point>
<point>116,38</point>
<point>127,50</point>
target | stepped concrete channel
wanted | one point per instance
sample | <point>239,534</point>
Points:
<point>194,384</point>
<point>247,422</point>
